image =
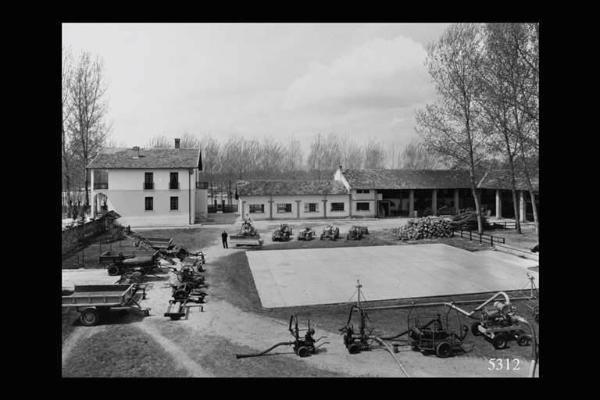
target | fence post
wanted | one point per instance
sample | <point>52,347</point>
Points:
<point>492,240</point>
<point>480,239</point>
<point>470,235</point>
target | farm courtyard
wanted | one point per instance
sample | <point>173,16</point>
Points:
<point>235,321</point>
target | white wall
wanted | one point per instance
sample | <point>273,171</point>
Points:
<point>343,198</point>
<point>127,197</point>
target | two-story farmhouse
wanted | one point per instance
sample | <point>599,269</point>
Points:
<point>149,187</point>
<point>383,193</point>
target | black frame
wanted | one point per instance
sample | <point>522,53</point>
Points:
<point>176,199</point>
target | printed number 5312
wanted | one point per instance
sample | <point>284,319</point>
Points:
<point>503,364</point>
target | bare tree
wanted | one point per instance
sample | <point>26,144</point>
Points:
<point>316,155</point>
<point>67,112</point>
<point>352,154</point>
<point>374,155</point>
<point>160,142</point>
<point>87,127</point>
<point>293,156</point>
<point>451,127</point>
<point>271,158</point>
<point>416,156</point>
<point>189,141</point>
<point>504,74</point>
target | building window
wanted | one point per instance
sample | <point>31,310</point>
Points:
<point>363,191</point>
<point>257,208</point>
<point>174,203</point>
<point>174,180</point>
<point>337,206</point>
<point>100,179</point>
<point>311,207</point>
<point>149,203</point>
<point>148,180</point>
<point>364,206</point>
<point>284,208</point>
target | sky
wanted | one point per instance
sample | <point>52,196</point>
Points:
<point>360,81</point>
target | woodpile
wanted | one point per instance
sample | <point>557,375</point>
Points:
<point>424,228</point>
<point>468,221</point>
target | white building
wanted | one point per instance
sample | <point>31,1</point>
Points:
<point>383,193</point>
<point>149,187</point>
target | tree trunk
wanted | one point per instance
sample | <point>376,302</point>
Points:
<point>513,183</point>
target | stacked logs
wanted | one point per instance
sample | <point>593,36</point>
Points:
<point>424,228</point>
<point>468,221</point>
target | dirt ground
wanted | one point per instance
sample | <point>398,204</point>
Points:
<point>233,322</point>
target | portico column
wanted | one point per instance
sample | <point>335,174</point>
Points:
<point>522,206</point>
<point>411,203</point>
<point>270,209</point>
<point>456,201</point>
<point>350,203</point>
<point>498,204</point>
<point>93,202</point>
<point>434,202</point>
<point>243,206</point>
<point>324,208</point>
<point>298,209</point>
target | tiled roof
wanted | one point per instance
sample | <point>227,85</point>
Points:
<point>500,179</point>
<point>289,187</point>
<point>406,179</point>
<point>126,158</point>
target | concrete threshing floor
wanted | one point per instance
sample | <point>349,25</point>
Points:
<point>287,278</point>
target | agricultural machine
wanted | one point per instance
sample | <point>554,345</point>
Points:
<point>306,234</point>
<point>121,264</point>
<point>499,326</point>
<point>94,302</point>
<point>282,234</point>
<point>330,232</point>
<point>187,293</point>
<point>247,236</point>
<point>434,337</point>
<point>303,346</point>
<point>355,233</point>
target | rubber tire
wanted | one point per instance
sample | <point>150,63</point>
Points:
<point>175,317</point>
<point>354,348</point>
<point>89,317</point>
<point>443,350</point>
<point>500,342</point>
<point>474,329</point>
<point>524,340</point>
<point>303,351</point>
<point>114,270</point>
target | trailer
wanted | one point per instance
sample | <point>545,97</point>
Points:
<point>109,257</point>
<point>143,263</point>
<point>93,302</point>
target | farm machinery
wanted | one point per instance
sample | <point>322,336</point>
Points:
<point>303,346</point>
<point>330,232</point>
<point>306,234</point>
<point>120,264</point>
<point>94,302</point>
<point>499,325</point>
<point>186,293</point>
<point>247,236</point>
<point>283,233</point>
<point>356,232</point>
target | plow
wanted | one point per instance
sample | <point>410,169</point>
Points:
<point>303,346</point>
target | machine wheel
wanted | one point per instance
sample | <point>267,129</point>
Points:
<point>180,294</point>
<point>443,350</point>
<point>348,237</point>
<point>175,317</point>
<point>322,236</point>
<point>524,340</point>
<point>89,317</point>
<point>475,328</point>
<point>114,270</point>
<point>500,341</point>
<point>303,351</point>
<point>354,348</point>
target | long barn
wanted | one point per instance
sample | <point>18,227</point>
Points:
<point>384,193</point>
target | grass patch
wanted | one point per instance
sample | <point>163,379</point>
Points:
<point>122,351</point>
<point>217,355</point>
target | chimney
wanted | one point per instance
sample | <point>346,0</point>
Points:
<point>177,142</point>
<point>136,148</point>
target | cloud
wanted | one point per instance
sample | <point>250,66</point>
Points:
<point>381,73</point>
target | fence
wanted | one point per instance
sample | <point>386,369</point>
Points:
<point>482,237</point>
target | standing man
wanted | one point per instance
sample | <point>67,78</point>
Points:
<point>224,238</point>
